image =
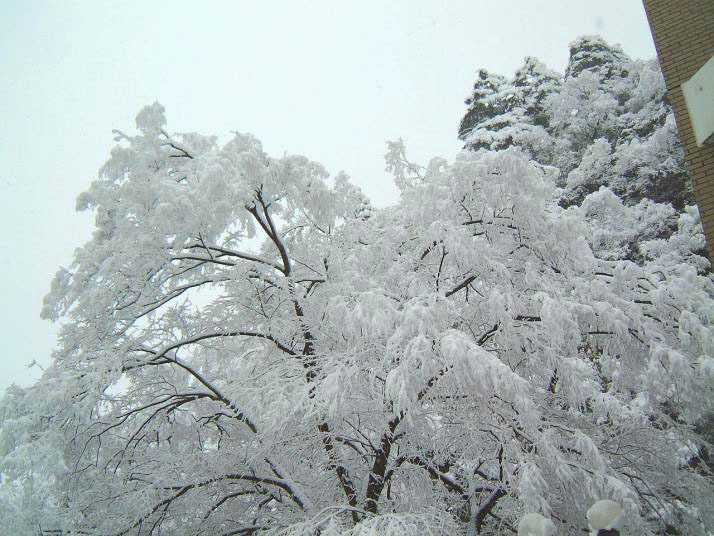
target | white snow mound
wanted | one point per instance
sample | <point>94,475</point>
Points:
<point>605,514</point>
<point>535,525</point>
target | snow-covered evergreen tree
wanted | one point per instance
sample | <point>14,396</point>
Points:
<point>605,123</point>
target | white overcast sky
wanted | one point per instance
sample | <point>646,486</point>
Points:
<point>331,80</point>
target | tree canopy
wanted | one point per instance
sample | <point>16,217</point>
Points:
<point>248,347</point>
<point>607,122</point>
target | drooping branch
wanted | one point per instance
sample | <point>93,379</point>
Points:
<point>465,283</point>
<point>173,294</point>
<point>174,402</point>
<point>182,490</point>
<point>162,357</point>
<point>228,497</point>
<point>183,153</point>
<point>220,396</point>
<point>165,503</point>
<point>219,334</point>
<point>213,260</point>
<point>222,251</point>
<point>449,483</point>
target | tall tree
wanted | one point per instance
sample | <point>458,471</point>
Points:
<point>606,122</point>
<point>442,366</point>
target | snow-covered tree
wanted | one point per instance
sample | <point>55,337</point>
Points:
<point>606,122</point>
<point>249,348</point>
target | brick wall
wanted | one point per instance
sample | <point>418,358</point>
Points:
<point>683,32</point>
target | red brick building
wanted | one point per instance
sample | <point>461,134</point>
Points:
<point>683,32</point>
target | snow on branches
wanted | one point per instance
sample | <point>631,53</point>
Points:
<point>606,122</point>
<point>249,348</point>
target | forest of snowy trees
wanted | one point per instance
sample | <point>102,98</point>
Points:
<point>249,347</point>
